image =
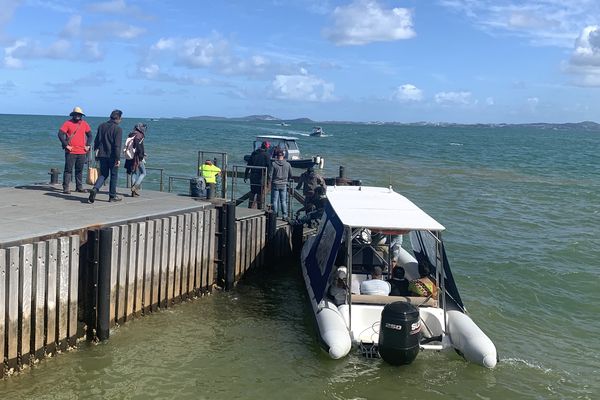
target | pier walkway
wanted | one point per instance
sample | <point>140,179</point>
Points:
<point>32,211</point>
<point>70,269</point>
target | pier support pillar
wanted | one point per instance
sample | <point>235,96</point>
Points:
<point>91,276</point>
<point>104,283</point>
<point>230,247</point>
<point>297,232</point>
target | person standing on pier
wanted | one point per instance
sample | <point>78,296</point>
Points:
<point>108,146</point>
<point>259,158</point>
<point>136,166</point>
<point>279,175</point>
<point>209,172</point>
<point>76,138</point>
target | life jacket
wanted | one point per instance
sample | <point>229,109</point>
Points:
<point>423,287</point>
<point>209,172</point>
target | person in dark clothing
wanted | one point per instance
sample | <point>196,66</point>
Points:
<point>75,136</point>
<point>279,175</point>
<point>314,209</point>
<point>399,282</point>
<point>136,167</point>
<point>259,158</point>
<point>309,181</point>
<point>108,146</point>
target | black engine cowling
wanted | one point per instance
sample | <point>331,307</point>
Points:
<point>399,333</point>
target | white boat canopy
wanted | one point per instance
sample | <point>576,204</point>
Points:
<point>378,208</point>
<point>275,137</point>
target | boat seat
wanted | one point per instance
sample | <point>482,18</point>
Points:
<point>375,299</point>
<point>357,279</point>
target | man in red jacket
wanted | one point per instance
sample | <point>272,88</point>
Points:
<point>76,138</point>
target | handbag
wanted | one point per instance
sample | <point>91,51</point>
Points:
<point>92,172</point>
<point>92,175</point>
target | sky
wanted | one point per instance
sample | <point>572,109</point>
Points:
<point>463,61</point>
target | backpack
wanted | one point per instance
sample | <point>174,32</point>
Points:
<point>129,150</point>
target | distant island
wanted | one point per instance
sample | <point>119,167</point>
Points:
<point>584,125</point>
<point>251,118</point>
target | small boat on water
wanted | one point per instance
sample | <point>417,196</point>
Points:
<point>317,131</point>
<point>290,149</point>
<point>360,234</point>
<point>284,124</point>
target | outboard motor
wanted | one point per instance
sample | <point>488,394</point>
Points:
<point>399,333</point>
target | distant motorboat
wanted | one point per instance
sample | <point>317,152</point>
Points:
<point>284,124</point>
<point>361,229</point>
<point>291,151</point>
<point>317,131</point>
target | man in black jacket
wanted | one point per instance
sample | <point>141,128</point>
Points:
<point>108,146</point>
<point>259,158</point>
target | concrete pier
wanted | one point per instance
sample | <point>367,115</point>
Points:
<point>69,269</point>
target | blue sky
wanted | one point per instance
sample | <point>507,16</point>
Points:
<point>361,60</point>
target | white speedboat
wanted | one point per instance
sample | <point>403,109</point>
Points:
<point>359,231</point>
<point>317,131</point>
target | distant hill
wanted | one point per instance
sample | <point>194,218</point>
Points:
<point>584,125</point>
<point>250,118</point>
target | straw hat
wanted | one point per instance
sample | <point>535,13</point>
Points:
<point>77,110</point>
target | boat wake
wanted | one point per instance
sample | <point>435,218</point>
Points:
<point>518,361</point>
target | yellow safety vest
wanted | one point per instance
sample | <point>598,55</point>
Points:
<point>210,172</point>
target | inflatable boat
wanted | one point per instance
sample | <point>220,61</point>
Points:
<point>374,233</point>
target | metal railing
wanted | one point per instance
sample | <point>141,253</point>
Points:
<point>236,174</point>
<point>175,178</point>
<point>160,182</point>
<point>162,171</point>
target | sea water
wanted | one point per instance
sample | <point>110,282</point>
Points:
<point>521,207</point>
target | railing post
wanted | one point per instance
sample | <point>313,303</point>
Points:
<point>54,172</point>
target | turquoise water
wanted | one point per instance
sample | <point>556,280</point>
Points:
<point>521,207</point>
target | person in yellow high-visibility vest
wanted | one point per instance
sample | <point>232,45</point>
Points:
<point>209,172</point>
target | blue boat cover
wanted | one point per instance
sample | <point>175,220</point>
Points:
<point>322,254</point>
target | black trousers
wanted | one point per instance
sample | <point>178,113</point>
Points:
<point>77,160</point>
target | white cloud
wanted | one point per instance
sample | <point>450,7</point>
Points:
<point>366,21</point>
<point>91,51</point>
<point>202,52</point>
<point>585,59</point>
<point>302,88</point>
<point>542,22</point>
<point>587,47</point>
<point>154,72</point>
<point>456,98</point>
<point>407,92</point>
<point>218,55</point>
<point>489,101</point>
<point>9,60</point>
<point>164,44</point>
